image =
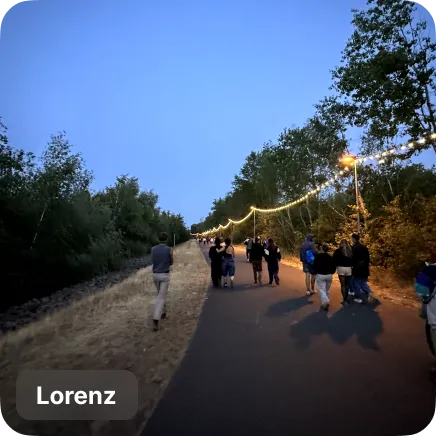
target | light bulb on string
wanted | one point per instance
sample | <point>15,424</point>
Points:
<point>377,157</point>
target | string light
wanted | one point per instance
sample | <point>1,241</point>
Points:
<point>377,157</point>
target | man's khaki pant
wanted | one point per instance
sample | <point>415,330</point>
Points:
<point>161,281</point>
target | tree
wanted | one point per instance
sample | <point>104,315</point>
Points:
<point>386,82</point>
<point>55,232</point>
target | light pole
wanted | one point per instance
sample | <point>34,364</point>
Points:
<point>349,160</point>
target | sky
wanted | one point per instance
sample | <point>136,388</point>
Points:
<point>174,93</point>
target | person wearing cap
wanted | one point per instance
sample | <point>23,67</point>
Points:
<point>256,255</point>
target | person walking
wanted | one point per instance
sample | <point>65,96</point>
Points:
<point>360,270</point>
<point>162,258</point>
<point>324,268</point>
<point>307,257</point>
<point>228,262</point>
<point>216,269</point>
<point>248,244</point>
<point>343,258</point>
<point>273,257</point>
<point>256,256</point>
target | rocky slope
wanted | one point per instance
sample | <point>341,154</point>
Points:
<point>18,316</point>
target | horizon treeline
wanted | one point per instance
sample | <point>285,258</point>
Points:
<point>55,231</point>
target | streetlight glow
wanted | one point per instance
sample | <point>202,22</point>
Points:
<point>348,159</point>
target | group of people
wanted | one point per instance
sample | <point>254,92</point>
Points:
<point>206,241</point>
<point>223,261</point>
<point>350,262</point>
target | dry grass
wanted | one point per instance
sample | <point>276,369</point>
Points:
<point>110,330</point>
<point>384,283</point>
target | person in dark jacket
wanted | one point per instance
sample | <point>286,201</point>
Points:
<point>273,257</point>
<point>308,246</point>
<point>324,267</point>
<point>343,258</point>
<point>360,270</point>
<point>216,263</point>
<point>256,256</point>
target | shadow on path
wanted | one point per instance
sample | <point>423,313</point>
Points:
<point>283,307</point>
<point>360,321</point>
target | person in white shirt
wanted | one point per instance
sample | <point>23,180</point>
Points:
<point>248,244</point>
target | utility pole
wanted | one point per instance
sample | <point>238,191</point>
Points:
<point>357,197</point>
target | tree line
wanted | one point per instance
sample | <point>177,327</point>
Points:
<point>55,231</point>
<point>385,86</point>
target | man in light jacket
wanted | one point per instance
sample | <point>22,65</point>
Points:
<point>163,258</point>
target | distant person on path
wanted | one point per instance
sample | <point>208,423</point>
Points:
<point>228,261</point>
<point>307,257</point>
<point>204,241</point>
<point>248,244</point>
<point>273,257</point>
<point>343,258</point>
<point>324,267</point>
<point>360,270</point>
<point>216,268</point>
<point>162,258</point>
<point>256,256</point>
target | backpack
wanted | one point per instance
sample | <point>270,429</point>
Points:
<point>310,258</point>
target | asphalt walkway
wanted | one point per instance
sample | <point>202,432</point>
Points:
<point>265,361</point>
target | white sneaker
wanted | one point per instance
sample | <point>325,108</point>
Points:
<point>351,294</point>
<point>358,301</point>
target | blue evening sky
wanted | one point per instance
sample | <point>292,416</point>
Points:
<point>174,92</point>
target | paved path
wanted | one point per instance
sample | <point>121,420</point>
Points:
<point>265,361</point>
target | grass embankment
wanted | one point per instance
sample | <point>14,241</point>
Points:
<point>384,283</point>
<point>110,330</point>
